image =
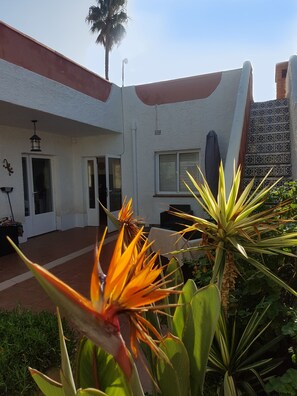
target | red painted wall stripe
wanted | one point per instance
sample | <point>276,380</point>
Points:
<point>180,90</point>
<point>23,51</point>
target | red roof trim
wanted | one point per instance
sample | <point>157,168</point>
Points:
<point>23,51</point>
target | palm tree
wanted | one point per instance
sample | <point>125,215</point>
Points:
<point>108,18</point>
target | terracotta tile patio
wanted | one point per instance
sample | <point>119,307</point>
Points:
<point>68,254</point>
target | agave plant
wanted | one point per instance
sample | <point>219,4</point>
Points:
<point>238,229</point>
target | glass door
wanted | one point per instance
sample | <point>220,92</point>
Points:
<point>92,191</point>
<point>40,215</point>
<point>42,186</point>
<point>113,187</point>
<point>104,184</point>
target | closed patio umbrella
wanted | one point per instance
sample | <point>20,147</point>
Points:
<point>212,161</point>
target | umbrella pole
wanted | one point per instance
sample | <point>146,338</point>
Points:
<point>12,216</point>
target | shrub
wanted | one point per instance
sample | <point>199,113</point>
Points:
<point>286,385</point>
<point>28,339</point>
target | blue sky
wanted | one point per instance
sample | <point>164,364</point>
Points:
<point>169,39</point>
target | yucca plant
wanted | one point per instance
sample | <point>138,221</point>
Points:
<point>237,229</point>
<point>240,358</point>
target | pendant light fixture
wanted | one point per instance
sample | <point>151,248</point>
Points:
<point>35,139</point>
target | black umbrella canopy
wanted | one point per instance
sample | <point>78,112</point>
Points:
<point>212,161</point>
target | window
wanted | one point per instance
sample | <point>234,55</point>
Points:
<point>172,168</point>
<point>284,73</point>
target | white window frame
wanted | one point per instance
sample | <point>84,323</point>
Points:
<point>157,169</point>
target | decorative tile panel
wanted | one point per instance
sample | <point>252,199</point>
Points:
<point>268,142</point>
<point>272,137</point>
<point>268,159</point>
<point>268,182</point>
<point>269,147</point>
<point>261,171</point>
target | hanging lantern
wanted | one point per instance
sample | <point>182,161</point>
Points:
<point>35,139</point>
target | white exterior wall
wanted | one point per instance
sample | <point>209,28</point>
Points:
<point>234,143</point>
<point>30,90</point>
<point>291,93</point>
<point>183,126</point>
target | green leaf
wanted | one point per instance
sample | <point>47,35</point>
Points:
<point>68,389</point>
<point>90,392</point>
<point>173,375</point>
<point>219,263</point>
<point>181,311</point>
<point>229,386</point>
<point>47,386</point>
<point>50,387</point>
<point>111,217</point>
<point>66,372</point>
<point>199,331</point>
<point>175,276</point>
<point>86,370</point>
<point>271,275</point>
<point>237,245</point>
<point>98,369</point>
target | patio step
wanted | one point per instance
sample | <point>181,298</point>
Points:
<point>268,142</point>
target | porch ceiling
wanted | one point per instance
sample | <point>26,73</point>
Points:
<point>20,117</point>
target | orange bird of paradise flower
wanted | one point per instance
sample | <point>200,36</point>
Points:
<point>132,284</point>
<point>126,219</point>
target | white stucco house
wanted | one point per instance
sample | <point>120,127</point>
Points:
<point>101,141</point>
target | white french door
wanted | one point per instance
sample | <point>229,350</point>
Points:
<point>104,184</point>
<point>92,191</point>
<point>40,216</point>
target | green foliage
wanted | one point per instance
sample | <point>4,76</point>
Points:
<point>290,328</point>
<point>173,376</point>
<point>98,369</point>
<point>254,291</point>
<point>199,329</point>
<point>46,385</point>
<point>193,326</point>
<point>253,335</point>
<point>286,385</point>
<point>200,270</point>
<point>28,339</point>
<point>239,357</point>
<point>238,228</point>
<point>285,192</point>
<point>67,386</point>
<point>181,370</point>
<point>253,286</point>
<point>181,312</point>
<point>107,19</point>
